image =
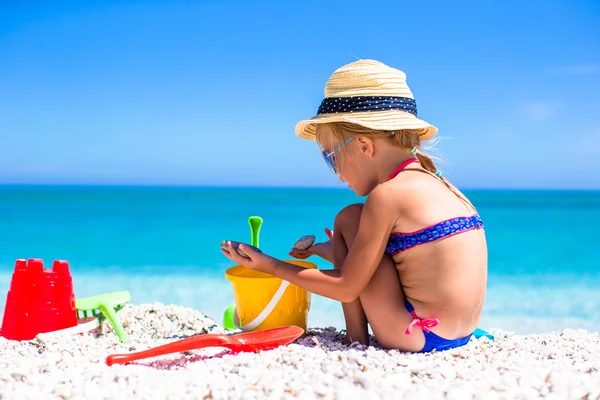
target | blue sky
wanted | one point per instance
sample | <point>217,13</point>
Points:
<point>209,92</point>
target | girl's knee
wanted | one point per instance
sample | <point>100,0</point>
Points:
<point>348,217</point>
<point>345,228</point>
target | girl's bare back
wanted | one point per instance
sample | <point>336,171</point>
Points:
<point>444,278</point>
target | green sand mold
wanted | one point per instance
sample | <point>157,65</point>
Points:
<point>228,318</point>
<point>108,304</point>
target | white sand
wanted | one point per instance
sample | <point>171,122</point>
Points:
<point>558,365</point>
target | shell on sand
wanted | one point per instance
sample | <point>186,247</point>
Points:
<point>305,242</point>
<point>236,246</point>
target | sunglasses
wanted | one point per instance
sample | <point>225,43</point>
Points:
<point>329,157</point>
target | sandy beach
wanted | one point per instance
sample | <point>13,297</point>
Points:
<point>558,365</point>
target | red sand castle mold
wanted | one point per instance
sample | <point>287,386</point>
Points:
<point>38,300</point>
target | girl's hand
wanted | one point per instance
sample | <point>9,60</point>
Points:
<point>323,249</point>
<point>256,261</point>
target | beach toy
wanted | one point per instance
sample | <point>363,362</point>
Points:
<point>38,300</point>
<point>480,332</point>
<point>241,342</point>
<point>108,304</point>
<point>255,224</point>
<point>264,301</point>
<point>83,325</point>
<point>228,317</point>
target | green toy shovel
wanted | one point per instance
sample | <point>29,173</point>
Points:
<point>255,224</point>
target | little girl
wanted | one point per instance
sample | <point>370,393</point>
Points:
<point>411,261</point>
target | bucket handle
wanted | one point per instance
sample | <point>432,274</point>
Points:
<point>265,312</point>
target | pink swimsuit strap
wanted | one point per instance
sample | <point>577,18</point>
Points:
<point>425,324</point>
<point>401,167</point>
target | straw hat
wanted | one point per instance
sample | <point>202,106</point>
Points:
<point>371,94</point>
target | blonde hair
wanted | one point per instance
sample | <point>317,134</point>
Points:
<point>405,139</point>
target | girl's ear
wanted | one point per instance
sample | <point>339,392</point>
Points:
<point>366,146</point>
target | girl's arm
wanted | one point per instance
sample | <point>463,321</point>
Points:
<point>346,283</point>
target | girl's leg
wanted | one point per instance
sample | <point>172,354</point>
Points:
<point>357,329</point>
<point>382,301</point>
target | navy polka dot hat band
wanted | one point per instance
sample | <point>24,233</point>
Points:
<point>370,94</point>
<point>367,103</point>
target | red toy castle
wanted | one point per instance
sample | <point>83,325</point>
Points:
<point>38,300</point>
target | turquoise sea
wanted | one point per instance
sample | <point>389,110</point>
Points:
<point>162,244</point>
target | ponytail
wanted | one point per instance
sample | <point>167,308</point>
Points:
<point>427,163</point>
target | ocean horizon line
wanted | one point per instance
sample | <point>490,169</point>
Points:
<point>263,187</point>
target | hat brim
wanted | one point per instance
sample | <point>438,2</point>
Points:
<point>388,120</point>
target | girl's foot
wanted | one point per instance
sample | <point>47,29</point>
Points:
<point>348,340</point>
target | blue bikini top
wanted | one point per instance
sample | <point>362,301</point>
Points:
<point>401,241</point>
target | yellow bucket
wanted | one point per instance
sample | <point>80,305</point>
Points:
<point>264,301</point>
